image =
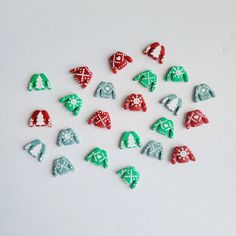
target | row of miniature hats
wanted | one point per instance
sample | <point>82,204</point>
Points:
<point>83,76</point>
<point>101,119</point>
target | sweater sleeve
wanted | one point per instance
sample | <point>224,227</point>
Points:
<point>179,106</point>
<point>32,82</point>
<point>139,76</point>
<point>145,148</point>
<point>169,75</point>
<point>137,139</point>
<point>144,107</point>
<point>75,137</point>
<point>123,140</point>
<point>204,119</point>
<point>185,76</point>
<point>128,58</point>
<point>90,121</point>
<point>113,91</point>
<point>46,81</point>
<point>59,139</point>
<point>127,102</point>
<point>98,90</point>
<point>196,93</point>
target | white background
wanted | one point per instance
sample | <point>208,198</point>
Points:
<point>194,199</point>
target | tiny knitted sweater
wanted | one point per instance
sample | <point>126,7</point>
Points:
<point>36,149</point>
<point>182,155</point>
<point>202,92</point>
<point>164,126</point>
<point>67,137</point>
<point>153,149</point>
<point>62,166</point>
<point>105,90</point>
<point>39,82</point>
<point>177,74</point>
<point>98,157</point>
<point>130,140</point>
<point>172,103</point>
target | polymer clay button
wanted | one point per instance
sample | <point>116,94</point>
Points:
<point>147,79</point>
<point>62,166</point>
<point>82,75</point>
<point>172,103</point>
<point>156,51</point>
<point>130,139</point>
<point>40,118</point>
<point>153,149</point>
<point>36,149</point>
<point>164,127</point>
<point>195,118</point>
<point>105,90</point>
<point>72,102</point>
<point>67,137</point>
<point>135,102</point>
<point>202,92</point>
<point>39,82</point>
<point>177,74</point>
<point>119,60</point>
<point>130,176</point>
<point>100,119</point>
<point>182,154</point>
<point>98,157</point>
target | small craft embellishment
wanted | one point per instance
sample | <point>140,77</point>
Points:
<point>202,92</point>
<point>153,149</point>
<point>39,82</point>
<point>195,118</point>
<point>182,154</point>
<point>36,149</point>
<point>177,74</point>
<point>105,90</point>
<point>156,51</point>
<point>147,79</point>
<point>100,119</point>
<point>172,103</point>
<point>82,75</point>
<point>72,102</point>
<point>130,140</point>
<point>62,166</point>
<point>135,102</point>
<point>164,127</point>
<point>119,60</point>
<point>98,157</point>
<point>67,137</point>
<point>130,176</point>
<point>40,118</point>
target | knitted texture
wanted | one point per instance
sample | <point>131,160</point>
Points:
<point>172,103</point>
<point>119,60</point>
<point>62,166</point>
<point>177,74</point>
<point>156,51</point>
<point>36,149</point>
<point>100,119</point>
<point>164,127</point>
<point>98,157</point>
<point>39,82</point>
<point>130,140</point>
<point>182,154</point>
<point>135,102</point>
<point>72,102</point>
<point>40,118</point>
<point>147,79</point>
<point>202,92</point>
<point>105,90</point>
<point>153,149</point>
<point>195,118</point>
<point>67,137</point>
<point>130,176</point>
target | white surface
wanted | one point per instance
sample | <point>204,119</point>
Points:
<point>195,199</point>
